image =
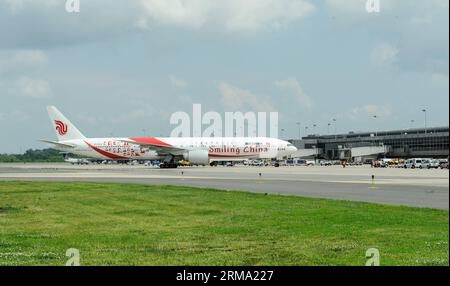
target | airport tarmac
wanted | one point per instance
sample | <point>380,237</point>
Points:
<point>417,188</point>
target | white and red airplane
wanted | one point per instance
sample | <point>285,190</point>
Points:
<point>196,150</point>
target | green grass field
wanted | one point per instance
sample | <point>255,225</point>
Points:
<point>123,224</point>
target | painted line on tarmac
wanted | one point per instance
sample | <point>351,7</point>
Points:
<point>11,176</point>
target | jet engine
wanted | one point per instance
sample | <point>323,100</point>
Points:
<point>197,157</point>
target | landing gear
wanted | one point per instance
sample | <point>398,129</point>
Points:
<point>168,165</point>
<point>214,164</point>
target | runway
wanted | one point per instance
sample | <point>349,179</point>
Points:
<point>417,188</point>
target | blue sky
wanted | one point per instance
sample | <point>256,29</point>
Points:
<point>119,67</point>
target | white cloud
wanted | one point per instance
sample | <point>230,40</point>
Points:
<point>30,57</point>
<point>229,15</point>
<point>177,12</point>
<point>177,82</point>
<point>370,110</point>
<point>351,11</point>
<point>13,116</point>
<point>143,111</point>
<point>253,15</point>
<point>237,99</point>
<point>345,8</point>
<point>21,60</point>
<point>418,28</point>
<point>16,5</point>
<point>440,78</point>
<point>46,23</point>
<point>36,88</point>
<point>117,18</point>
<point>384,55</point>
<point>293,87</point>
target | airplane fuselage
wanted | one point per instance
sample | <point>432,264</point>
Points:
<point>196,150</point>
<point>218,148</point>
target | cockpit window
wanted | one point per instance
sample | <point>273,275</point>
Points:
<point>290,145</point>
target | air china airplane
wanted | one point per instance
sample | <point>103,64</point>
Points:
<point>198,151</point>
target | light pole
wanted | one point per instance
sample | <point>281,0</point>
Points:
<point>376,132</point>
<point>306,130</point>
<point>412,123</point>
<point>335,127</point>
<point>314,129</point>
<point>299,131</point>
<point>328,129</point>
<point>143,132</point>
<point>282,136</point>
<point>425,113</point>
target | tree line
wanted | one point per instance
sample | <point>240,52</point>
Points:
<point>44,155</point>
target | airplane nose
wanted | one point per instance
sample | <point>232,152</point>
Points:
<point>292,149</point>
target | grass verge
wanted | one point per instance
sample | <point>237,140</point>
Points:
<point>126,224</point>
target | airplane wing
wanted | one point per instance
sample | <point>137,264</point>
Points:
<point>63,145</point>
<point>157,145</point>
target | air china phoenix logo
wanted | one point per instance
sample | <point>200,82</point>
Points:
<point>61,127</point>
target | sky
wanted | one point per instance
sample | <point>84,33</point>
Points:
<point>121,68</point>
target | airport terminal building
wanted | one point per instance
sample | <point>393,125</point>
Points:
<point>411,143</point>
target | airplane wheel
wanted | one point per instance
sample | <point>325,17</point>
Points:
<point>168,166</point>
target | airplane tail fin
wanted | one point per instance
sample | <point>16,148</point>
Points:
<point>64,129</point>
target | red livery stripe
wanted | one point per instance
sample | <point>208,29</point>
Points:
<point>150,141</point>
<point>104,153</point>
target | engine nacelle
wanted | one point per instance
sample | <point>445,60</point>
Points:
<point>197,157</point>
